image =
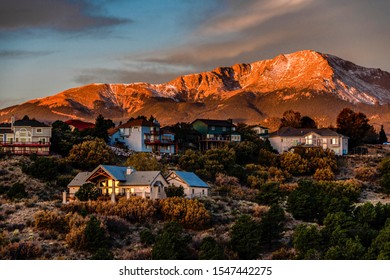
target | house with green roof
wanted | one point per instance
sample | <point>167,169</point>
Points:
<point>215,133</point>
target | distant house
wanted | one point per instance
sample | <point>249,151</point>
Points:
<point>215,133</point>
<point>261,131</point>
<point>192,184</point>
<point>23,137</point>
<point>79,125</point>
<point>287,137</point>
<point>141,135</point>
<point>124,181</point>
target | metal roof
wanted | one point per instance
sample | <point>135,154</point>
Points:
<point>140,178</point>
<point>191,179</point>
<point>117,172</point>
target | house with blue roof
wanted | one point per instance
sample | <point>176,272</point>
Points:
<point>114,181</point>
<point>192,184</point>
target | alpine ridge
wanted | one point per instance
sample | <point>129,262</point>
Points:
<point>315,84</point>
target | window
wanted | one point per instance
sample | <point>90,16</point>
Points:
<point>224,128</point>
<point>39,130</point>
<point>213,128</point>
<point>334,141</point>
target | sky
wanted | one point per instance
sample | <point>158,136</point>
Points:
<point>48,46</point>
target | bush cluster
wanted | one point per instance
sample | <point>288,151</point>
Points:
<point>362,233</point>
<point>191,213</point>
<point>312,201</point>
<point>51,220</point>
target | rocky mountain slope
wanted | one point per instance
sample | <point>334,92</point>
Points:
<point>318,85</point>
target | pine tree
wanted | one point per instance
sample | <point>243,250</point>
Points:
<point>382,135</point>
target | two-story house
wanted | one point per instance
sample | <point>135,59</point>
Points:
<point>25,137</point>
<point>215,133</point>
<point>287,137</point>
<point>141,135</point>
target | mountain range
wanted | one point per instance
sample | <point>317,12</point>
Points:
<point>315,84</point>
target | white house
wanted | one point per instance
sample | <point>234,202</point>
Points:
<point>141,135</point>
<point>287,137</point>
<point>25,137</point>
<point>260,130</point>
<point>192,184</point>
<point>116,181</point>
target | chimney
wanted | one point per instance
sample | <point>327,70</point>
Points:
<point>230,120</point>
<point>12,120</point>
<point>129,170</point>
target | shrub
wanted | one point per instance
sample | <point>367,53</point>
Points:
<point>271,225</point>
<point>90,154</point>
<point>172,191</point>
<point>102,254</point>
<point>172,244</point>
<point>147,237</point>
<point>144,162</point>
<point>385,183</point>
<point>43,168</point>
<point>294,163</point>
<point>307,239</point>
<point>94,235</point>
<point>117,225</point>
<point>17,191</point>
<point>324,174</point>
<point>211,250</point>
<point>245,236</point>
<point>23,251</point>
<point>269,194</point>
<point>191,213</point>
<point>366,174</point>
<point>87,191</point>
<point>50,220</point>
<point>135,209</point>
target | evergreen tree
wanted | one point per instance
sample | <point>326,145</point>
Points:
<point>356,127</point>
<point>172,244</point>
<point>101,127</point>
<point>382,136</point>
<point>291,118</point>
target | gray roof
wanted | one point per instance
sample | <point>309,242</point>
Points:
<point>140,178</point>
<point>294,132</point>
<point>191,179</point>
<point>5,128</point>
<point>80,179</point>
<point>32,123</point>
<point>209,122</point>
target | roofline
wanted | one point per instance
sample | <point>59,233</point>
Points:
<point>186,181</point>
<point>101,165</point>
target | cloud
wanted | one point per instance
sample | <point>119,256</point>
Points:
<point>4,54</point>
<point>248,31</point>
<point>59,15</point>
<point>149,72</point>
<point>244,15</point>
